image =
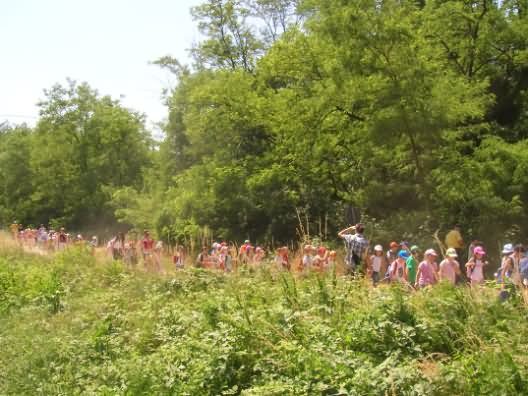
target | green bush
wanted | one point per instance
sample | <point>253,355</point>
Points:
<point>72,325</point>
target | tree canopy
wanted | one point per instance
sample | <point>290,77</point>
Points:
<point>412,113</point>
<point>83,148</point>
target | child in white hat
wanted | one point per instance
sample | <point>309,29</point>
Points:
<point>377,264</point>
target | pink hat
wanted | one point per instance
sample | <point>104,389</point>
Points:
<point>430,252</point>
<point>478,250</point>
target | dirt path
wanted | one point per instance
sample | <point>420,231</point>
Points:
<point>6,241</point>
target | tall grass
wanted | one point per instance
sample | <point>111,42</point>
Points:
<point>70,324</point>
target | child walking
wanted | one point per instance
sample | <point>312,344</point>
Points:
<point>376,263</point>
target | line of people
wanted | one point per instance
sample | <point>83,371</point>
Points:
<point>219,256</point>
<point>222,256</point>
<point>48,240</point>
<point>128,249</point>
<point>405,263</point>
<point>402,262</point>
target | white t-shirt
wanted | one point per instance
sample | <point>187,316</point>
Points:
<point>42,235</point>
<point>376,263</point>
<point>400,269</point>
<point>307,261</point>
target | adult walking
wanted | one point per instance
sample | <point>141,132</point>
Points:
<point>147,248</point>
<point>62,239</point>
<point>118,246</point>
<point>356,246</point>
<point>454,240</point>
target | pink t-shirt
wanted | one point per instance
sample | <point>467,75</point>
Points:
<point>477,275</point>
<point>426,274</point>
<point>448,270</point>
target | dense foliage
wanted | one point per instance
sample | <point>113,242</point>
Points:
<point>72,325</point>
<point>413,113</point>
<point>64,171</point>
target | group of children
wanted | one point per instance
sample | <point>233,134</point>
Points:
<point>405,263</point>
<point>128,249</point>
<point>317,258</point>
<point>402,263</point>
<point>222,256</point>
<point>48,240</point>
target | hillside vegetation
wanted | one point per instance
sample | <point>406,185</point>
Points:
<point>73,324</point>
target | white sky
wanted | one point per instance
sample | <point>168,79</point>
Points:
<point>107,43</point>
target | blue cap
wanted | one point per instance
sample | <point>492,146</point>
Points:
<point>403,254</point>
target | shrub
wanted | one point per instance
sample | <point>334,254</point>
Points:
<point>72,325</point>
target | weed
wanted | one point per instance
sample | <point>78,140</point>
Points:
<point>72,325</point>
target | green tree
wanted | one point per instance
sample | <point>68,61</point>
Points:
<point>230,42</point>
<point>15,174</point>
<point>404,110</point>
<point>84,147</point>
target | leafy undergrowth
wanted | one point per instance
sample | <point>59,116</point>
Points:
<point>72,325</point>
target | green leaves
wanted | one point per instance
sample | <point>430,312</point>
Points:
<point>83,147</point>
<point>403,110</point>
<point>230,42</point>
<point>201,332</point>
<point>376,106</point>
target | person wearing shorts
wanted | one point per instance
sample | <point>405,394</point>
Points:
<point>147,247</point>
<point>62,239</point>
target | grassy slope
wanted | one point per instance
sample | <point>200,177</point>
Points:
<point>71,325</point>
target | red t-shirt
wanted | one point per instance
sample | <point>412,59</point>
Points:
<point>244,248</point>
<point>148,244</point>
